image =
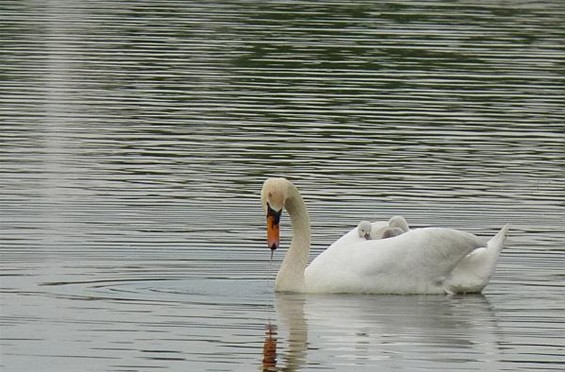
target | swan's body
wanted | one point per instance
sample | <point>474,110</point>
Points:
<point>428,260</point>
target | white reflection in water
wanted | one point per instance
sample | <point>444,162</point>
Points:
<point>413,332</point>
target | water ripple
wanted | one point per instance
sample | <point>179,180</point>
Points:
<point>135,138</point>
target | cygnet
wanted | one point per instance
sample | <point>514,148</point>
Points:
<point>399,222</point>
<point>391,232</point>
<point>364,229</point>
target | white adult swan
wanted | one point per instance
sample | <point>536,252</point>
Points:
<point>428,260</point>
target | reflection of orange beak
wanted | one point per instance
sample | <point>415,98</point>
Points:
<point>270,349</point>
<point>273,233</point>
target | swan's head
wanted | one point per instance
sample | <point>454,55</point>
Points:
<point>273,197</point>
<point>364,229</point>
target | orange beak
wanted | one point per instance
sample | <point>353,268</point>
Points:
<point>273,231</point>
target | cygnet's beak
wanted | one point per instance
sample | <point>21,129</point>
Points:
<point>273,233</point>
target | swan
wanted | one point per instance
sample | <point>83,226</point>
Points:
<point>427,260</point>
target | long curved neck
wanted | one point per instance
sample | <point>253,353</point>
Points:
<point>291,274</point>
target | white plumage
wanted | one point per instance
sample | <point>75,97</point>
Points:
<point>427,260</point>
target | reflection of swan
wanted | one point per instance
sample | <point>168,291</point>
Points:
<point>418,261</point>
<point>270,348</point>
<point>388,332</point>
<point>290,310</point>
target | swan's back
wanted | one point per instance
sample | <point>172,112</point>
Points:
<point>417,261</point>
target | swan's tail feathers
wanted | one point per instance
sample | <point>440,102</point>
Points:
<point>474,271</point>
<point>494,247</point>
<point>497,242</point>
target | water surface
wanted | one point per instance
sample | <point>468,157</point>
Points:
<point>135,138</point>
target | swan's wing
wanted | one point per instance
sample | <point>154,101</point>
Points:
<point>417,261</point>
<point>421,255</point>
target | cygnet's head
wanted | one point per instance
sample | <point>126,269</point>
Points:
<point>399,222</point>
<point>390,232</point>
<point>364,230</point>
